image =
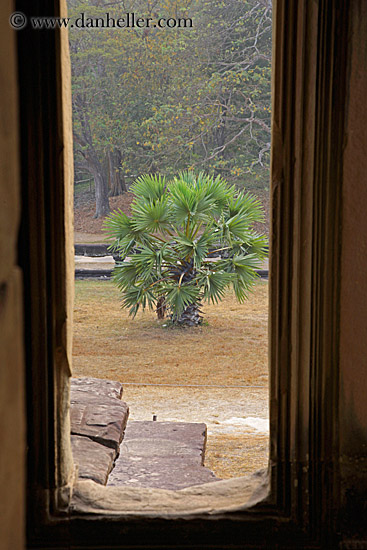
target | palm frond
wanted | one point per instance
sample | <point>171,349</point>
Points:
<point>244,269</point>
<point>183,201</point>
<point>144,260</point>
<point>152,216</point>
<point>178,297</point>
<point>190,201</point>
<point>149,186</point>
<point>258,245</point>
<point>245,205</point>
<point>214,284</point>
<point>215,188</point>
<point>117,225</point>
<point>138,296</point>
<point>124,275</point>
<point>236,227</point>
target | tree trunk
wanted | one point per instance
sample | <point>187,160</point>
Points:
<point>117,183</point>
<point>161,308</point>
<point>102,202</point>
<point>190,317</point>
<point>101,190</point>
<point>93,164</point>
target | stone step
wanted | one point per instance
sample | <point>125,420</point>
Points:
<point>98,419</point>
<point>95,461</point>
<point>102,419</point>
<point>164,455</point>
<point>97,386</point>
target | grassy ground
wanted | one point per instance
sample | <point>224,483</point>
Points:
<point>230,349</point>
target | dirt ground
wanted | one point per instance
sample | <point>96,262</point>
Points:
<point>88,229</point>
<point>236,419</point>
<point>184,374</point>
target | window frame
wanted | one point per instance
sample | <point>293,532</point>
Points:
<point>309,82</point>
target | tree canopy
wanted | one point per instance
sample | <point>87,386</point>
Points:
<point>149,100</point>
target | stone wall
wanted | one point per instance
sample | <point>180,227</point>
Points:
<point>353,306</point>
<point>12,421</point>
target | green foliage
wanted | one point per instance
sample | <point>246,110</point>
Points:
<point>171,98</point>
<point>188,239</point>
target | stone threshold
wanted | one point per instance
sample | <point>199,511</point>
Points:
<point>153,454</point>
<point>109,450</point>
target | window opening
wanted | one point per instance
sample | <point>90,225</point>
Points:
<point>158,88</point>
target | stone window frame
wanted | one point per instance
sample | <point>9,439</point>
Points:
<point>299,499</point>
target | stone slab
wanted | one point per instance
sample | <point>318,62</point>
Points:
<point>95,461</point>
<point>102,419</point>
<point>166,439</point>
<point>160,472</point>
<point>97,386</point>
<point>165,455</point>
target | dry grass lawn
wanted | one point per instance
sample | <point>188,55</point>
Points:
<point>229,349</point>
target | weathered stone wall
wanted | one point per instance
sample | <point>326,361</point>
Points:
<point>12,421</point>
<point>353,307</point>
<point>64,351</point>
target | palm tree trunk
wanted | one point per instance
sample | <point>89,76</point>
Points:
<point>161,308</point>
<point>190,317</point>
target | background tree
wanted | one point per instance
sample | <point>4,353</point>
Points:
<point>221,123</point>
<point>187,240</point>
<point>160,100</point>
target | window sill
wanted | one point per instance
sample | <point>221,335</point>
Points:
<point>231,495</point>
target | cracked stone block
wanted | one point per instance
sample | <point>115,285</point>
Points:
<point>95,461</point>
<point>102,419</point>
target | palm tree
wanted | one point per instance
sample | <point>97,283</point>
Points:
<point>186,241</point>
